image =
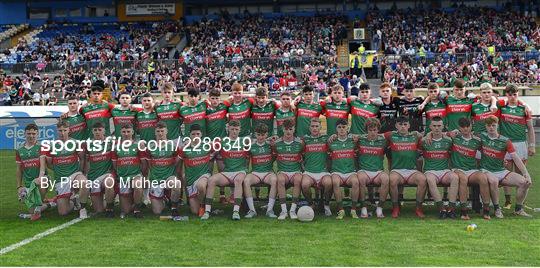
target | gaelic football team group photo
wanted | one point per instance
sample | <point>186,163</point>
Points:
<point>297,149</point>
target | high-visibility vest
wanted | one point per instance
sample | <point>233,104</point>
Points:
<point>422,52</point>
<point>491,50</point>
<point>356,63</point>
<point>361,49</point>
<point>151,67</point>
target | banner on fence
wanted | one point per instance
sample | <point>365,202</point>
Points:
<point>150,9</point>
<point>13,120</point>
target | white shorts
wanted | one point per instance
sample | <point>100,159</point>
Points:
<point>371,175</point>
<point>231,176</point>
<point>467,173</point>
<point>439,174</point>
<point>192,189</point>
<point>500,175</point>
<point>521,150</point>
<point>157,191</point>
<point>261,176</point>
<point>344,176</point>
<point>405,173</point>
<point>316,177</point>
<point>125,185</point>
<point>97,185</point>
<point>289,175</point>
<point>63,187</point>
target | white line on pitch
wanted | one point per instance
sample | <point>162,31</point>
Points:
<point>38,236</point>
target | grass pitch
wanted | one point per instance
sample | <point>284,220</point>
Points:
<point>219,241</point>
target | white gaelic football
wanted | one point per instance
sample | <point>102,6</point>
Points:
<point>305,213</point>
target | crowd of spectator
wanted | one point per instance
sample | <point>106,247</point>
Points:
<point>279,53</point>
<point>71,44</point>
<point>76,81</point>
<point>496,70</point>
<point>253,36</point>
<point>465,29</point>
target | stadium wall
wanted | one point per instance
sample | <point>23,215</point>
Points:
<point>12,12</point>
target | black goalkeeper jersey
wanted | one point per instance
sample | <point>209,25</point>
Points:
<point>410,110</point>
<point>388,114</point>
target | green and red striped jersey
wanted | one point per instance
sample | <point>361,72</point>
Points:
<point>194,115</point>
<point>315,153</point>
<point>241,112</point>
<point>513,122</point>
<point>361,111</point>
<point>196,163</point>
<point>371,153</point>
<point>456,109</point>
<point>100,112</point>
<point>264,115</point>
<point>479,113</point>
<point>28,158</point>
<point>78,129</point>
<point>146,125</point>
<point>343,155</point>
<point>128,162</point>
<point>333,112</point>
<point>433,109</point>
<point>235,159</point>
<point>463,155</point>
<point>404,149</point>
<point>262,158</point>
<point>437,154</point>
<point>64,162</point>
<point>289,155</point>
<point>216,121</point>
<point>99,162</point>
<point>304,113</point>
<point>494,151</point>
<point>162,162</point>
<point>122,116</point>
<point>170,114</point>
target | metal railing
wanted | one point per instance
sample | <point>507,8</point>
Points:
<point>56,66</point>
<point>294,61</point>
<point>458,58</point>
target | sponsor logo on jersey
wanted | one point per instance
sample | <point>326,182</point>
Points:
<point>308,113</point>
<point>464,150</point>
<point>65,160</point>
<point>239,115</point>
<point>436,154</point>
<point>459,108</point>
<point>196,161</point>
<point>341,154</point>
<point>371,150</point>
<point>217,115</point>
<point>316,147</point>
<point>362,112</point>
<point>436,112</point>
<point>493,153</point>
<point>514,119</point>
<point>190,118</point>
